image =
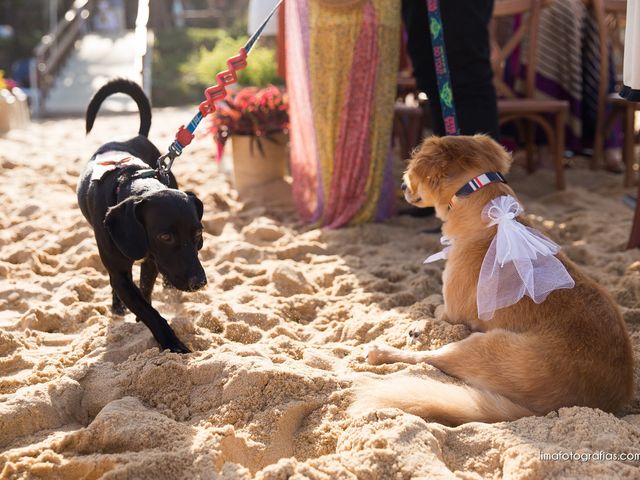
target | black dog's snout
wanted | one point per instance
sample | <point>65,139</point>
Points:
<point>197,282</point>
<point>403,186</point>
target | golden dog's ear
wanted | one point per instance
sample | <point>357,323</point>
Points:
<point>431,160</point>
<point>424,170</point>
<point>496,153</point>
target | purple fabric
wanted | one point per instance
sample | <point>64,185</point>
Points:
<point>387,201</point>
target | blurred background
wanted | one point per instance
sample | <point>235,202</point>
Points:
<point>60,51</point>
<point>555,108</point>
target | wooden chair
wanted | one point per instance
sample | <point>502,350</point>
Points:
<point>550,115</point>
<point>408,120</point>
<point>610,17</point>
<point>634,237</point>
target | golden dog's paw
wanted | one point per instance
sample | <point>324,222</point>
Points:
<point>377,354</point>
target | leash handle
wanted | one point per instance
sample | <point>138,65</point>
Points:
<point>217,92</point>
<point>443,75</point>
<point>213,94</point>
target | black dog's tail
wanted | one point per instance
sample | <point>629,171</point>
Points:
<point>128,87</point>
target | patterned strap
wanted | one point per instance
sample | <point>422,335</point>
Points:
<point>476,184</point>
<point>442,69</point>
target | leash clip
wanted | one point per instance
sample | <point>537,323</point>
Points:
<point>165,162</point>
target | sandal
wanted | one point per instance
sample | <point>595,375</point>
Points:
<point>613,161</point>
<point>616,167</point>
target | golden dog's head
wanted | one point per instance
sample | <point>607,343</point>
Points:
<point>442,165</point>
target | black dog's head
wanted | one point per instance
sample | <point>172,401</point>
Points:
<point>166,225</point>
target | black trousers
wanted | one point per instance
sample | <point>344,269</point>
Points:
<point>466,37</point>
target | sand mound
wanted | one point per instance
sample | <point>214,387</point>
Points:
<point>278,336</point>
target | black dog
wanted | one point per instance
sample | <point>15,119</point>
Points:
<point>135,216</point>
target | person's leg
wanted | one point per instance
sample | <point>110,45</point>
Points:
<point>466,36</point>
<point>414,16</point>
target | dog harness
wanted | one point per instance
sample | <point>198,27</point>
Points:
<point>476,184</point>
<point>520,261</point>
<point>115,160</point>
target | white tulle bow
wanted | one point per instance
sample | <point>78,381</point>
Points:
<point>442,254</point>
<point>520,261</point>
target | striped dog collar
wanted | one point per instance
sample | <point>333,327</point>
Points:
<point>476,184</point>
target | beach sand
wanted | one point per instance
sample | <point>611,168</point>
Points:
<point>277,335</point>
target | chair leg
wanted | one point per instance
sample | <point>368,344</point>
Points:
<point>414,131</point>
<point>558,148</point>
<point>398,134</point>
<point>529,139</point>
<point>634,238</point>
<point>597,159</point>
<point>628,149</point>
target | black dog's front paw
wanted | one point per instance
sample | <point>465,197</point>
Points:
<point>175,345</point>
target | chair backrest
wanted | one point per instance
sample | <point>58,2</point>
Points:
<point>528,12</point>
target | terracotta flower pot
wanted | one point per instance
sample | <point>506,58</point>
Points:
<point>255,165</point>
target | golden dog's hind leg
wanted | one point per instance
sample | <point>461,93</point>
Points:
<point>377,354</point>
<point>496,366</point>
<point>503,362</point>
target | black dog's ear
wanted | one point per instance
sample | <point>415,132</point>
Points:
<point>196,203</point>
<point>126,230</point>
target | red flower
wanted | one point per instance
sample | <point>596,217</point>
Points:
<point>250,111</point>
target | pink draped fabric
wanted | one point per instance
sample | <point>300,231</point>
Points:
<point>307,189</point>
<point>353,148</point>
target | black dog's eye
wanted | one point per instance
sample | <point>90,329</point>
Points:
<point>166,237</point>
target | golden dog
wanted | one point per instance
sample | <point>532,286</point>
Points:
<point>529,359</point>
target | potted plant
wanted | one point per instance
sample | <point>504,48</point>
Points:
<point>14,111</point>
<point>257,122</point>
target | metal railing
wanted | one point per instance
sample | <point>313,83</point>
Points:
<point>54,48</point>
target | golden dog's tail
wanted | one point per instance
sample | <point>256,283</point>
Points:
<point>433,400</point>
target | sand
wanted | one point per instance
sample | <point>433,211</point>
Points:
<point>278,335</point>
